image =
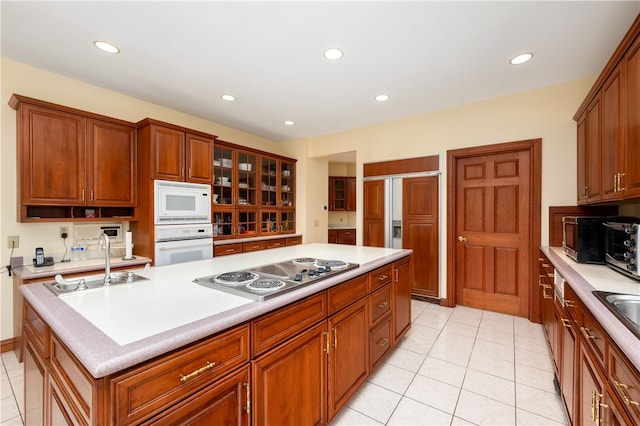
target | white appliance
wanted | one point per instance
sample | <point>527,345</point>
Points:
<point>181,202</point>
<point>182,243</point>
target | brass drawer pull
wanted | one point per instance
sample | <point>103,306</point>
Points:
<point>247,407</point>
<point>335,337</point>
<point>326,335</point>
<point>383,305</point>
<point>569,303</point>
<point>621,387</point>
<point>229,250</point>
<point>383,342</point>
<point>566,322</point>
<point>585,333</point>
<point>383,277</point>
<point>208,366</point>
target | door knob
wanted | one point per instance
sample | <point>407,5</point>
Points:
<point>462,239</point>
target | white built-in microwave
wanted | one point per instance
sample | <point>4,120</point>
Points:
<point>181,202</point>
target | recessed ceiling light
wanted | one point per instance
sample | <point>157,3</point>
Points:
<point>289,123</point>
<point>106,47</point>
<point>382,98</point>
<point>521,59</point>
<point>228,97</point>
<point>333,54</point>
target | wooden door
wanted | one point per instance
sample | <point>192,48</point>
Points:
<point>52,156</point>
<point>167,153</point>
<point>612,134</point>
<point>199,154</point>
<point>494,202</point>
<point>631,180</point>
<point>112,164</point>
<point>337,193</point>
<point>348,354</point>
<point>289,384</point>
<point>401,311</point>
<point>420,232</point>
<point>593,144</point>
<point>373,217</point>
<point>568,347</point>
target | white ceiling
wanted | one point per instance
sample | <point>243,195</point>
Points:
<point>426,55</point>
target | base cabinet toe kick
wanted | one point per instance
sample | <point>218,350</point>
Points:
<point>298,364</point>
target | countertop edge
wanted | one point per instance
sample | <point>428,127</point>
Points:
<point>252,239</point>
<point>101,356</point>
<point>77,267</point>
<point>619,333</point>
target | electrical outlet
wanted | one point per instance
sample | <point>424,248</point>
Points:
<point>64,232</point>
<point>13,241</point>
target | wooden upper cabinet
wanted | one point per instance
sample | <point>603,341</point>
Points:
<point>112,164</point>
<point>52,156</point>
<point>175,153</point>
<point>612,134</point>
<point>199,151</point>
<point>342,193</point>
<point>609,128</point>
<point>631,179</point>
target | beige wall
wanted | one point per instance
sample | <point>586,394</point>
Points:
<point>544,113</point>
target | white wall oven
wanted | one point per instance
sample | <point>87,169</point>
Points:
<point>182,216</point>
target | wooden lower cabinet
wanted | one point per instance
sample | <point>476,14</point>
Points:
<point>401,298</point>
<point>567,382</point>
<point>348,355</point>
<point>289,382</point>
<point>297,365</point>
<point>223,403</point>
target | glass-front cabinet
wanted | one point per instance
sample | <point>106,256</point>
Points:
<point>223,176</point>
<point>252,194</point>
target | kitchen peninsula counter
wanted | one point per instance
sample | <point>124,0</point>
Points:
<point>111,329</point>
<point>584,279</point>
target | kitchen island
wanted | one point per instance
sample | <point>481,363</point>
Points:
<point>155,350</point>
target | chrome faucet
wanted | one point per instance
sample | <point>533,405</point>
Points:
<point>103,243</point>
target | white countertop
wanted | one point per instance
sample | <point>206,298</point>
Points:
<point>584,279</point>
<point>113,328</point>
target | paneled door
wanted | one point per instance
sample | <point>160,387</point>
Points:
<point>373,193</point>
<point>493,251</point>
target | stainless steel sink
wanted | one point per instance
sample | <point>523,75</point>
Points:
<point>61,286</point>
<point>624,306</point>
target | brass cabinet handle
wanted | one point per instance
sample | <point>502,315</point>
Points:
<point>83,194</point>
<point>544,291</point>
<point>326,335</point>
<point>566,322</point>
<point>620,387</point>
<point>615,182</point>
<point>229,250</point>
<point>585,333</point>
<point>92,195</point>
<point>383,305</point>
<point>620,187</point>
<point>593,405</point>
<point>207,366</point>
<point>335,337</point>
<point>569,303</point>
<point>383,277</point>
<point>586,192</point>
<point>462,239</point>
<point>247,407</point>
<point>383,341</point>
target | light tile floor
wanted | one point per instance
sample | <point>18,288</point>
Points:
<point>457,366</point>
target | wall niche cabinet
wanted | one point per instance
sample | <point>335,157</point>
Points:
<point>73,165</point>
<point>342,193</point>
<point>608,123</point>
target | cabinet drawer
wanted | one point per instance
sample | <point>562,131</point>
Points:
<point>379,341</point>
<point>73,378</point>
<point>345,294</point>
<point>379,277</point>
<point>255,246</point>
<point>147,390</point>
<point>227,249</point>
<point>39,331</point>
<point>294,241</point>
<point>380,302</point>
<point>276,327</point>
<point>280,242</point>
<point>625,380</point>
<point>594,335</point>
